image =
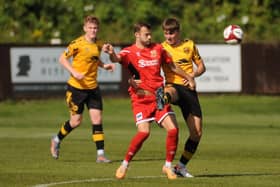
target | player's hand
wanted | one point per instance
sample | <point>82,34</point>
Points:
<point>190,83</point>
<point>108,48</point>
<point>134,83</point>
<point>192,74</point>
<point>109,67</point>
<point>77,75</point>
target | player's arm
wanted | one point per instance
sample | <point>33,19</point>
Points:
<point>200,68</point>
<point>109,67</point>
<point>109,49</point>
<point>67,65</point>
<point>134,82</point>
<point>189,81</point>
<point>198,61</point>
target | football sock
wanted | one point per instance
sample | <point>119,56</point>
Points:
<point>136,144</point>
<point>189,150</point>
<point>100,152</point>
<point>125,163</point>
<point>171,144</point>
<point>64,130</point>
<point>56,139</point>
<point>98,136</point>
<point>168,164</point>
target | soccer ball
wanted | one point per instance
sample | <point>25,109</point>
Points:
<point>233,34</point>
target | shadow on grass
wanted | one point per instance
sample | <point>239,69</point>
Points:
<point>237,175</point>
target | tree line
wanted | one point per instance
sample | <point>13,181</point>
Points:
<point>38,21</point>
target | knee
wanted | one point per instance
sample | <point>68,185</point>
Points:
<point>196,135</point>
<point>75,122</point>
<point>143,135</point>
<point>199,134</point>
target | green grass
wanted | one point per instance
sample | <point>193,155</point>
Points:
<point>240,145</point>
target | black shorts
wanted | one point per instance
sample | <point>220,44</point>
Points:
<point>77,98</point>
<point>187,101</point>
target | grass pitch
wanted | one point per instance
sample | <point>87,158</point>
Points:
<point>240,145</point>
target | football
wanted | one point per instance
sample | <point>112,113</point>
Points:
<point>233,34</point>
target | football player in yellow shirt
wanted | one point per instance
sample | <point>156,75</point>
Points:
<point>185,54</point>
<point>82,86</point>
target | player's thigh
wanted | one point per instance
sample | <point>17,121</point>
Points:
<point>95,116</point>
<point>169,122</point>
<point>188,102</point>
<point>144,127</point>
<point>94,99</point>
<point>172,92</point>
<point>75,100</point>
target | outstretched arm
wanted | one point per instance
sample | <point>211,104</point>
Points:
<point>109,49</point>
<point>109,67</point>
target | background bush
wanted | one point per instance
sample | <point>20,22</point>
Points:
<point>37,21</point>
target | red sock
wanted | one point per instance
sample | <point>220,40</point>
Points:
<point>136,144</point>
<point>171,144</point>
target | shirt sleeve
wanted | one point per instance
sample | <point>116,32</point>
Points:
<point>124,54</point>
<point>70,51</point>
<point>196,55</point>
<point>166,56</point>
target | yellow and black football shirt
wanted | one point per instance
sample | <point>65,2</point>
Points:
<point>183,55</point>
<point>85,59</point>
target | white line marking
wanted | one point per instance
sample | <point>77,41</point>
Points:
<point>93,180</point>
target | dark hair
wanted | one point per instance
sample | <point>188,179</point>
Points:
<point>171,24</point>
<point>139,25</point>
<point>91,19</point>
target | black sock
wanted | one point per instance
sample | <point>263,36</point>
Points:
<point>189,150</point>
<point>98,136</point>
<point>65,130</point>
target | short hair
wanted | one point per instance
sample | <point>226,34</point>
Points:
<point>139,25</point>
<point>171,24</point>
<point>91,19</point>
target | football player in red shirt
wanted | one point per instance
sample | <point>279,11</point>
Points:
<point>144,60</point>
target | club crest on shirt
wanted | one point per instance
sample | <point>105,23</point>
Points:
<point>87,49</point>
<point>186,50</point>
<point>153,53</point>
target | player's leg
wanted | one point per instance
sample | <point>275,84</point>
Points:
<point>191,111</point>
<point>95,106</point>
<point>195,127</point>
<point>74,100</point>
<point>66,128</point>
<point>171,95</point>
<point>170,124</point>
<point>98,135</point>
<point>191,144</point>
<point>143,131</point>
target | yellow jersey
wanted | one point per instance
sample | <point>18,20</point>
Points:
<point>183,55</point>
<point>85,59</point>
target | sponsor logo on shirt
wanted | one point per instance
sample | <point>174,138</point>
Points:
<point>143,63</point>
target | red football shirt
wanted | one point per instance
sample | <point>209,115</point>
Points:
<point>145,64</point>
